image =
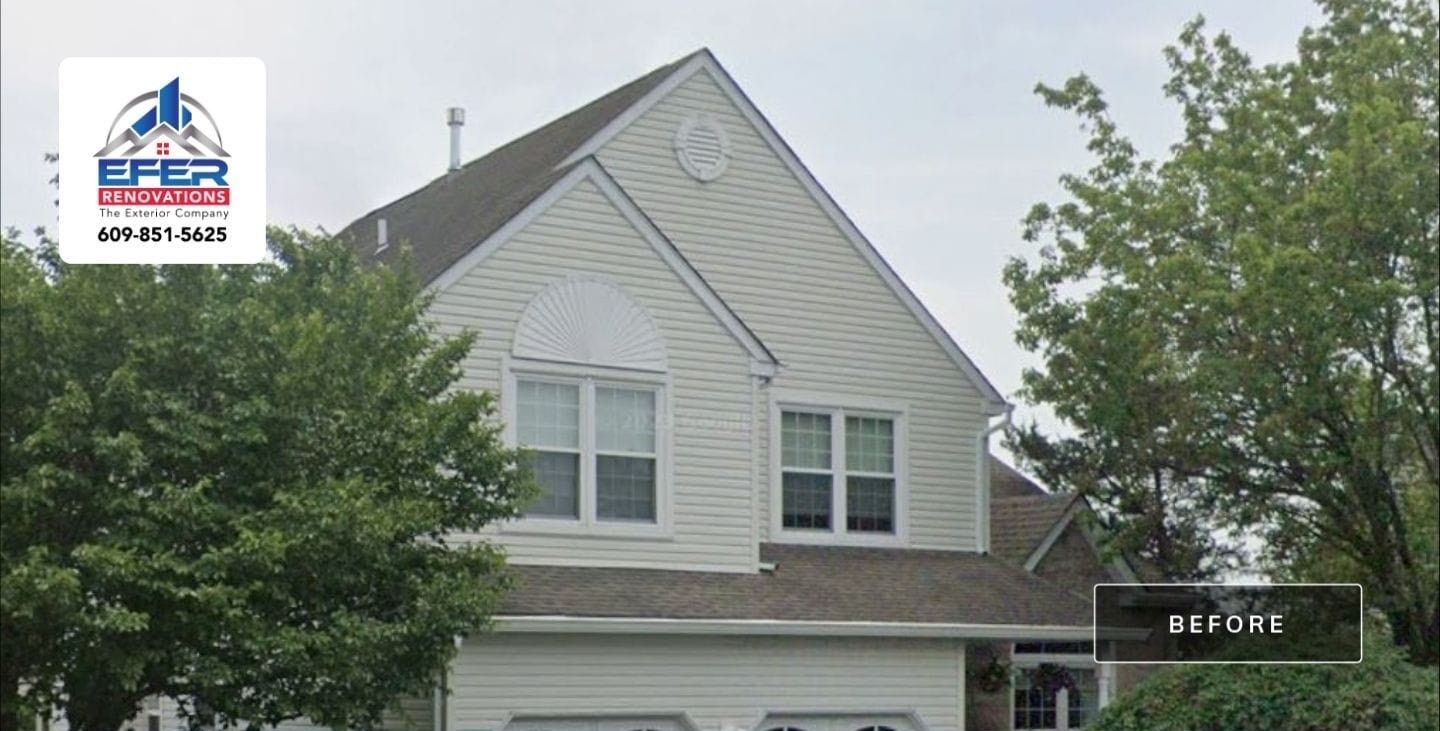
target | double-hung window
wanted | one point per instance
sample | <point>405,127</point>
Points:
<point>594,446</point>
<point>869,474</point>
<point>807,470</point>
<point>839,473</point>
<point>625,455</point>
<point>547,420</point>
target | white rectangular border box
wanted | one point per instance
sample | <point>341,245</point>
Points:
<point>98,95</point>
<point>1095,628</point>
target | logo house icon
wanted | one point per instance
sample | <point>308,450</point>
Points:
<point>171,119</point>
<point>188,164</point>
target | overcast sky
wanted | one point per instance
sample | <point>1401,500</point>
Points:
<point>919,118</point>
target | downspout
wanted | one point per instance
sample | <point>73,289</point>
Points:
<point>761,376</point>
<point>440,708</point>
<point>982,480</point>
<point>755,483</point>
<point>437,708</point>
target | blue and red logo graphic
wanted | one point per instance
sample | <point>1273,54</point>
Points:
<point>171,155</point>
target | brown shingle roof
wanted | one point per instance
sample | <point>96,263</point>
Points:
<point>809,583</point>
<point>455,212</point>
<point>1006,481</point>
<point>1019,524</point>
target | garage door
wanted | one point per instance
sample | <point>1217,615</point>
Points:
<point>777,722</point>
<point>636,723</point>
<point>837,722</point>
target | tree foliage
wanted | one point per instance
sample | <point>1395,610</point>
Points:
<point>1244,333</point>
<point>1383,692</point>
<point>233,486</point>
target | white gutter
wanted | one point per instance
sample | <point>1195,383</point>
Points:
<point>982,480</point>
<point>651,626</point>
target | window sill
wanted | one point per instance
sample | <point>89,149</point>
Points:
<point>828,538</point>
<point>577,529</point>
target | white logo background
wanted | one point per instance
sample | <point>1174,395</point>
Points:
<point>92,91</point>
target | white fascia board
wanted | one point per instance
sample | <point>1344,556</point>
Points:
<point>705,61</point>
<point>764,369</point>
<point>1092,537</point>
<point>1057,530</point>
<point>778,627</point>
<point>590,169</point>
<point>678,263</point>
<point>482,251</point>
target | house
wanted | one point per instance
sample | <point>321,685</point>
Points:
<point>767,484</point>
<point>1054,536</point>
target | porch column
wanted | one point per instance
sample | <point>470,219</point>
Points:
<point>1105,681</point>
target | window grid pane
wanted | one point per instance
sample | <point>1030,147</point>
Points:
<point>870,504</point>
<point>1034,708</point>
<point>1084,697</point>
<point>624,420</point>
<point>805,501</point>
<point>869,445</point>
<point>547,414</point>
<point>625,488</point>
<point>558,474</point>
<point>805,440</point>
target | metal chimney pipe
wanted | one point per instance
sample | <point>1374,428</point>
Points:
<point>455,117</point>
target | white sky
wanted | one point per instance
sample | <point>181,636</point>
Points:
<point>917,117</point>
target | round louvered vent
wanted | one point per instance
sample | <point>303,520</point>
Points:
<point>702,147</point>
<point>585,319</point>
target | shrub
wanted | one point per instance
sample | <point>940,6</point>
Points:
<point>1383,692</point>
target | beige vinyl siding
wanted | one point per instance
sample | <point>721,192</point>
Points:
<point>721,682</point>
<point>771,252</point>
<point>583,233</point>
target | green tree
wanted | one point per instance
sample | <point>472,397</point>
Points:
<point>235,486</point>
<point>1244,333</point>
<point>1383,692</point>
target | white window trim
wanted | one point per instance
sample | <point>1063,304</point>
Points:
<point>588,377</point>
<point>1081,661</point>
<point>839,406</point>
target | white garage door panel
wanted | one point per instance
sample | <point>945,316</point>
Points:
<point>787,722</point>
<point>837,722</point>
<point>639,723</point>
<point>718,682</point>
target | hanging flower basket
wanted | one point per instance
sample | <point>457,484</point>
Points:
<point>1051,678</point>
<point>992,676</point>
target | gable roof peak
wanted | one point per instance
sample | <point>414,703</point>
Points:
<point>456,213</point>
<point>763,361</point>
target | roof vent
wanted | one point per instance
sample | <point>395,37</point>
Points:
<point>455,117</point>
<point>702,147</point>
<point>382,235</point>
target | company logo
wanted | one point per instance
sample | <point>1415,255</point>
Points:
<point>171,154</point>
